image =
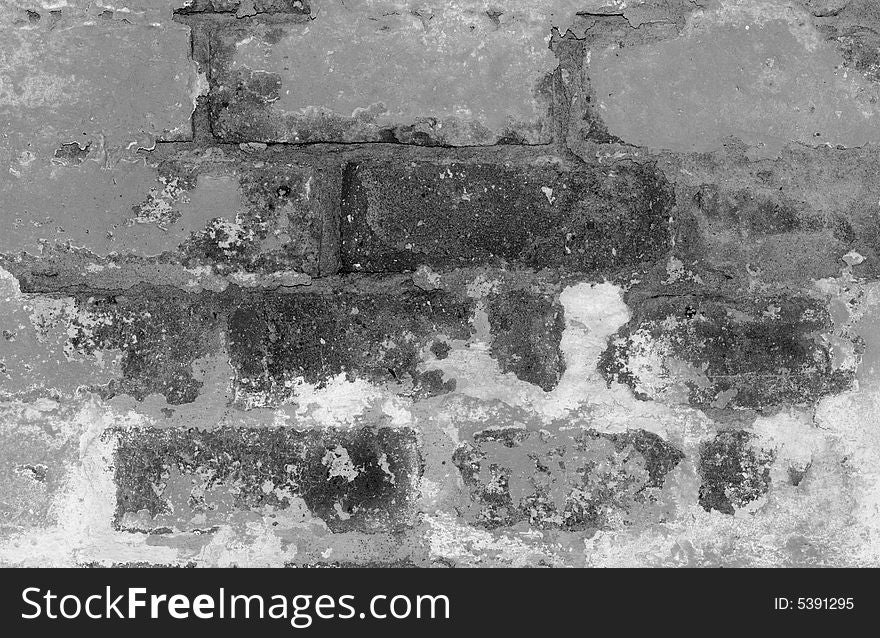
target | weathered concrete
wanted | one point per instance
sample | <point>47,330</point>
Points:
<point>360,74</point>
<point>652,340</point>
<point>752,70</point>
<point>106,83</point>
<point>202,218</point>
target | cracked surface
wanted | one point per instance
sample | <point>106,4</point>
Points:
<point>448,283</point>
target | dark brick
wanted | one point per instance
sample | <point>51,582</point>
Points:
<point>569,481</point>
<point>740,353</point>
<point>734,472</point>
<point>526,332</point>
<point>160,334</point>
<point>186,480</point>
<point>276,339</point>
<point>591,218</point>
<point>246,7</point>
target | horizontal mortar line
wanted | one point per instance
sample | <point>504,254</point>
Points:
<point>230,15</point>
<point>203,140</point>
<point>394,144</point>
<point>355,283</point>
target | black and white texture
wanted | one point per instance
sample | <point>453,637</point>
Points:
<point>440,283</point>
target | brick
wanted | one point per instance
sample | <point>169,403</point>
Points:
<point>191,214</point>
<point>572,481</point>
<point>276,341</point>
<point>526,332</point>
<point>287,220</point>
<point>735,471</point>
<point>763,74</point>
<point>784,222</point>
<point>720,353</point>
<point>368,74</point>
<point>244,8</point>
<point>159,335</point>
<point>354,479</point>
<point>147,340</point>
<point>138,343</point>
<point>589,219</point>
<point>107,82</point>
<point>783,238</point>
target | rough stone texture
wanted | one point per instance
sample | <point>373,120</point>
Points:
<point>245,8</point>
<point>734,473</point>
<point>277,341</point>
<point>578,286</point>
<point>572,482</point>
<point>538,214</point>
<point>717,353</point>
<point>187,480</point>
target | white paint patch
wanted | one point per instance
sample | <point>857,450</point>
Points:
<point>450,539</point>
<point>593,312</point>
<point>339,403</point>
<point>255,546</point>
<point>339,461</point>
<point>793,436</point>
<point>853,418</point>
<point>85,508</point>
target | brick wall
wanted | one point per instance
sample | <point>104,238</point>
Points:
<point>441,283</point>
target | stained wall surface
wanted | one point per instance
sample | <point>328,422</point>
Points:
<point>441,283</point>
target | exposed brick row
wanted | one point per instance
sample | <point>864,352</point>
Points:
<point>366,479</point>
<point>277,341</point>
<point>272,217</point>
<point>709,352</point>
